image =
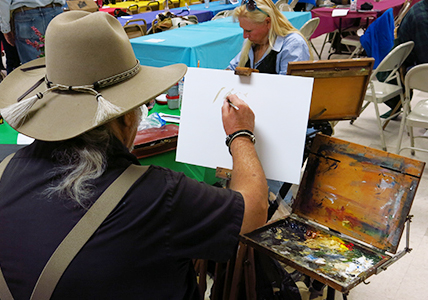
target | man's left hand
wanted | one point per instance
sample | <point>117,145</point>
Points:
<point>10,38</point>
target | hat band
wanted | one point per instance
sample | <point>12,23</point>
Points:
<point>18,112</point>
<point>97,84</point>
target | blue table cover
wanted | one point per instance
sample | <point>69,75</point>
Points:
<point>212,43</point>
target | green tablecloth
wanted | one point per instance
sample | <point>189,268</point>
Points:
<point>167,160</point>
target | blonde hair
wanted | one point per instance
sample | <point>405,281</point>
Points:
<point>280,26</point>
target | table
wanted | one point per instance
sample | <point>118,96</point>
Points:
<point>215,7</point>
<point>212,43</point>
<point>111,7</point>
<point>202,15</point>
<point>9,136</point>
<point>329,24</point>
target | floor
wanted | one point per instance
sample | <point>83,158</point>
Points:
<point>405,279</point>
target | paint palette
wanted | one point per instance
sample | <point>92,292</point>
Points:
<point>348,216</point>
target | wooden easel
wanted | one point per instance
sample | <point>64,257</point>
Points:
<point>338,94</point>
<point>229,277</point>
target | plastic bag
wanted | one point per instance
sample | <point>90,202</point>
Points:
<point>152,121</point>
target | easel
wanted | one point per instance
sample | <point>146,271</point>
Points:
<point>338,93</point>
<point>228,276</point>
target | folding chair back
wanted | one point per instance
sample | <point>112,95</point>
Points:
<point>393,61</point>
<point>309,27</point>
<point>135,30</point>
<point>418,115</point>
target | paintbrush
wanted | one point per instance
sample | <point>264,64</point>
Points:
<point>233,105</point>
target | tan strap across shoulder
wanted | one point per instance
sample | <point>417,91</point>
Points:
<point>79,235</point>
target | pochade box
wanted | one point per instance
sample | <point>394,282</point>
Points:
<point>348,216</point>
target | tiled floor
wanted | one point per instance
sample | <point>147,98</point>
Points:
<point>406,278</point>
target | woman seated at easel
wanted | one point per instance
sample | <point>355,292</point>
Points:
<point>271,42</point>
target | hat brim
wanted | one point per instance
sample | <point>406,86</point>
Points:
<point>64,115</point>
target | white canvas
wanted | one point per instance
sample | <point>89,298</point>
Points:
<point>281,106</point>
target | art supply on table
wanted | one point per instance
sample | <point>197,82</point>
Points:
<point>170,118</point>
<point>161,99</point>
<point>173,97</point>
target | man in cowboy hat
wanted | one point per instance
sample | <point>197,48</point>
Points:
<point>81,104</point>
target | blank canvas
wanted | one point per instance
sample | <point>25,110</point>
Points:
<point>281,107</point>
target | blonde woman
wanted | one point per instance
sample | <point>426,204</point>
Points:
<point>271,42</point>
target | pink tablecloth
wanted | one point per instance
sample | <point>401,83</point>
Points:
<point>330,24</point>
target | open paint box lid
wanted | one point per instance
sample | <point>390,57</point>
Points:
<point>362,192</point>
<point>348,216</point>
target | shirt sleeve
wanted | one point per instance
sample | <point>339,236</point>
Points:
<point>405,33</point>
<point>5,16</point>
<point>234,62</point>
<point>205,220</point>
<point>294,48</point>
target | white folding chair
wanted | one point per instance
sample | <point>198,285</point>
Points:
<point>352,42</point>
<point>381,91</point>
<point>417,116</point>
<point>283,5</point>
<point>222,14</point>
<point>308,29</point>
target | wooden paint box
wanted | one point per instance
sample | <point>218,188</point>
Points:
<point>348,216</point>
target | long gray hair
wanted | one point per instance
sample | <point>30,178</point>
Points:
<point>81,160</point>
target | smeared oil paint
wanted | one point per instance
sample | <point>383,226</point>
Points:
<point>320,251</point>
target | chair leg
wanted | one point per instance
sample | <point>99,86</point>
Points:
<point>238,272</point>
<point>250,275</point>
<point>379,122</point>
<point>402,125</point>
<point>412,140</point>
<point>315,49</point>
<point>356,51</point>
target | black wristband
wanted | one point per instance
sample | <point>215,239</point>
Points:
<point>247,133</point>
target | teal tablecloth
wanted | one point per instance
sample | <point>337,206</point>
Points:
<point>212,43</point>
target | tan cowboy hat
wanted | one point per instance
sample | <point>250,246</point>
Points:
<point>91,77</point>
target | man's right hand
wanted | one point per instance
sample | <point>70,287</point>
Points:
<point>234,120</point>
<point>10,38</point>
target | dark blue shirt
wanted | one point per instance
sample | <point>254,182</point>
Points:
<point>143,250</point>
<point>414,27</point>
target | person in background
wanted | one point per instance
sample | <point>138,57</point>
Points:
<point>84,114</point>
<point>414,27</point>
<point>17,17</point>
<point>271,42</point>
<point>12,58</point>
